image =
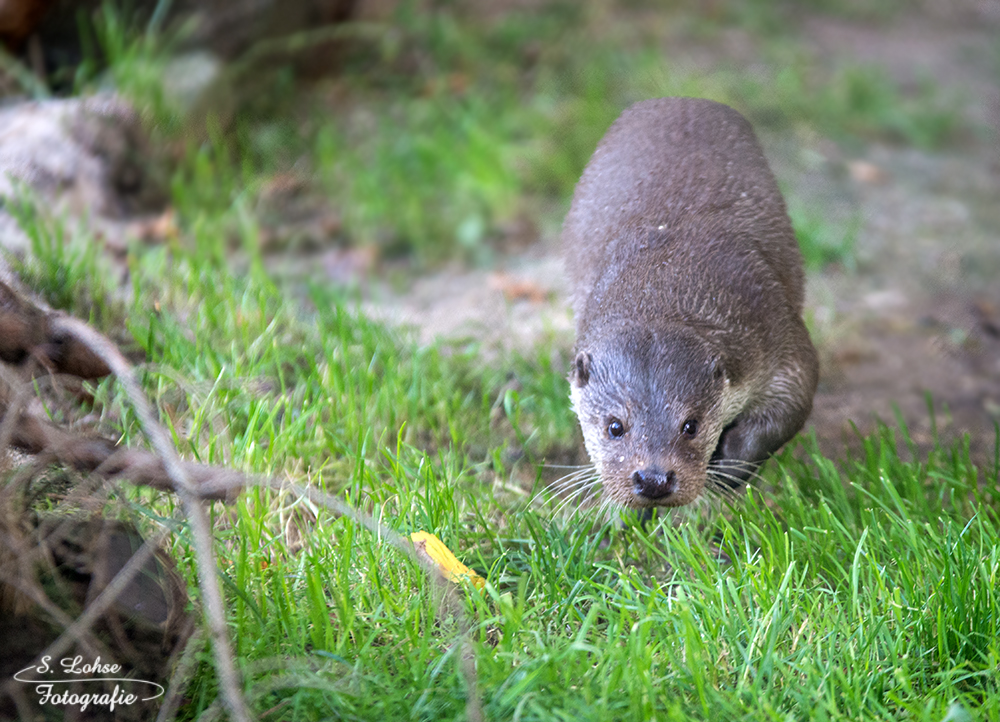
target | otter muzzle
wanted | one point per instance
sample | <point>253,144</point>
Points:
<point>653,484</point>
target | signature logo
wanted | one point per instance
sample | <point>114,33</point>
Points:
<point>73,669</point>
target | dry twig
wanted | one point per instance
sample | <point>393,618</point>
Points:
<point>60,343</point>
<point>201,533</point>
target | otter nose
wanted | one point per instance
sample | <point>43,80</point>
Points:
<point>653,483</point>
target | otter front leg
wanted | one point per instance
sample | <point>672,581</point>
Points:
<point>741,450</point>
<point>759,432</point>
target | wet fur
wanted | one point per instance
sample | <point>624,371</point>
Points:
<point>687,293</point>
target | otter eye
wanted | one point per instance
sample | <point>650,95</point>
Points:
<point>616,429</point>
<point>690,428</point>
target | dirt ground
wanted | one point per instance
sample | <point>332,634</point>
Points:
<point>919,316</point>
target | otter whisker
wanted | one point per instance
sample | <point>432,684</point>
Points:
<point>570,495</point>
<point>574,484</point>
<point>581,491</point>
<point>722,489</point>
<point>729,461</point>
<point>577,470</point>
<point>722,473</point>
<point>736,464</point>
<point>569,487</point>
<point>747,468</point>
<point>587,471</point>
<point>734,460</point>
<point>725,485</point>
<point>564,503</point>
<point>606,509</point>
<point>574,479</point>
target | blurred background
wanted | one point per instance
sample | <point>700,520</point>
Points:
<point>420,156</point>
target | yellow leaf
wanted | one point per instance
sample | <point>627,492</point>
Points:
<point>432,548</point>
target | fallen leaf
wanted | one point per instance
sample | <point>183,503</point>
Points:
<point>157,229</point>
<point>430,547</point>
<point>864,171</point>
<point>516,289</point>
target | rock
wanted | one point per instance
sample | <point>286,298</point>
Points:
<point>78,156</point>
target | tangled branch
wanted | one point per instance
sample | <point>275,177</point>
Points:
<point>40,341</point>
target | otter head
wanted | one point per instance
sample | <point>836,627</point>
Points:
<point>651,405</point>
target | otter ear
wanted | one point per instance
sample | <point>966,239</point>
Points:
<point>581,369</point>
<point>718,370</point>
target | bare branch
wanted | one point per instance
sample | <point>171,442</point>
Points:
<point>201,534</point>
<point>192,482</point>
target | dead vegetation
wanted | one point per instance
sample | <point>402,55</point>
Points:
<point>77,580</point>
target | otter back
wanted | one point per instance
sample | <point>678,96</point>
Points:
<point>693,363</point>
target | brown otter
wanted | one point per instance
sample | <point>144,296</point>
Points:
<point>693,363</point>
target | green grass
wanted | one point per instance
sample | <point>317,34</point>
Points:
<point>65,266</point>
<point>861,592</point>
<point>823,242</point>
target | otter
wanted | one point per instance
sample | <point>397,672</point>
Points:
<point>693,364</point>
